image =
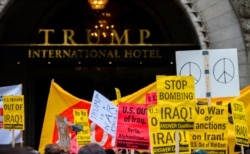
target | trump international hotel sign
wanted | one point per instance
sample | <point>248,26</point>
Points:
<point>116,48</point>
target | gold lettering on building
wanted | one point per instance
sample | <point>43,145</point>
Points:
<point>144,53</point>
<point>46,35</point>
<point>93,53</point>
<point>144,34</point>
<point>68,36</point>
<point>116,38</point>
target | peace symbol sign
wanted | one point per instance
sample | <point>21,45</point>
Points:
<point>223,70</point>
<point>191,69</point>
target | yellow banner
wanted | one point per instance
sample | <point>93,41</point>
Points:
<point>13,112</point>
<point>67,100</point>
<point>175,88</point>
<point>81,119</point>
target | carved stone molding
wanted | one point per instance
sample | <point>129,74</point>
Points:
<point>242,9</point>
<point>198,23</point>
<point>3,5</point>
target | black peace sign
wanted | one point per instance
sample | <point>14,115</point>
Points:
<point>223,70</point>
<point>191,69</point>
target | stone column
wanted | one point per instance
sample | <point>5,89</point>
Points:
<point>242,9</point>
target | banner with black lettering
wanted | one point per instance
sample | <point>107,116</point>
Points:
<point>210,129</point>
<point>13,109</point>
<point>81,120</point>
<point>175,89</point>
<point>240,123</point>
<point>132,128</point>
<point>164,120</point>
<point>104,113</point>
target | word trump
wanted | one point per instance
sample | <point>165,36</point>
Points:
<point>69,34</point>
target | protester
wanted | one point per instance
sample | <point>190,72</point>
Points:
<point>31,150</point>
<point>118,151</point>
<point>91,148</point>
<point>110,151</point>
<point>52,149</point>
<point>247,151</point>
<point>199,151</point>
<point>13,150</point>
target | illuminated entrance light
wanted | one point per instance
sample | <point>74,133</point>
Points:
<point>103,29</point>
<point>98,4</point>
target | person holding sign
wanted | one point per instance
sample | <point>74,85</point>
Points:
<point>199,151</point>
<point>91,148</point>
<point>52,149</point>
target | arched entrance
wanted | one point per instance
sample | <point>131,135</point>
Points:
<point>147,35</point>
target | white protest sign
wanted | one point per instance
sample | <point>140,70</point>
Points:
<point>222,71</point>
<point>104,113</point>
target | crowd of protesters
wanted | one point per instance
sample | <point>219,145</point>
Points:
<point>91,148</point>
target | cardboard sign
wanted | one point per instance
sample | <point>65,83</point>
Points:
<point>104,113</point>
<point>63,132</point>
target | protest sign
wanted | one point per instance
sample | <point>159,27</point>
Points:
<point>63,132</point>
<point>81,119</point>
<point>151,98</point>
<point>175,88</point>
<point>222,71</point>
<point>132,127</point>
<point>240,123</point>
<point>210,129</point>
<point>164,120</point>
<point>13,112</point>
<point>104,113</point>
